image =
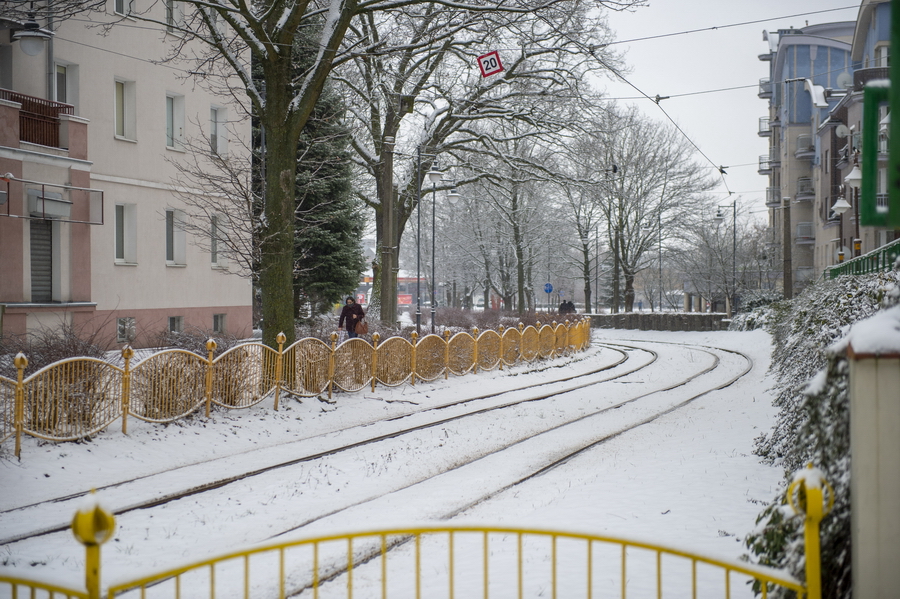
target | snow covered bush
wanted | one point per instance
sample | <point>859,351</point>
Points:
<point>814,420</point>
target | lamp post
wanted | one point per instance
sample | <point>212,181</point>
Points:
<point>840,207</point>
<point>854,182</point>
<point>434,176</point>
<point>719,219</point>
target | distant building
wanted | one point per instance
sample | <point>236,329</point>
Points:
<point>814,89</point>
<point>90,220</point>
<point>804,68</point>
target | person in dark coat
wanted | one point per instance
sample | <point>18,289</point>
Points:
<point>352,313</point>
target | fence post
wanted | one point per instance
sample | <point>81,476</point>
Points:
<point>521,328</point>
<point>93,526</point>
<point>280,338</point>
<point>127,355</point>
<point>446,354</point>
<point>873,354</point>
<point>21,363</point>
<point>210,348</point>
<point>501,329</point>
<point>375,338</point>
<point>415,342</point>
<point>475,351</point>
<point>809,482</point>
<point>553,327</point>
<point>334,337</point>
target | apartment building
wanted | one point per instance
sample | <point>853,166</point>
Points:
<point>93,220</point>
<point>815,90</point>
<point>806,69</point>
<point>839,233</point>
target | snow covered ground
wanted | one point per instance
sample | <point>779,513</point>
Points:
<point>687,478</point>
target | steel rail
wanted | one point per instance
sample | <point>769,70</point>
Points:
<point>228,480</point>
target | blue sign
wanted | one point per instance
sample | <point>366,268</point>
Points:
<point>548,288</point>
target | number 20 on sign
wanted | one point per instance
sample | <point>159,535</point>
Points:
<point>490,63</point>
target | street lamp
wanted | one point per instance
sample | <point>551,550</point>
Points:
<point>719,219</point>
<point>435,176</point>
<point>840,207</point>
<point>854,182</point>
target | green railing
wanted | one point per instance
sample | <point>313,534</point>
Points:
<point>880,260</point>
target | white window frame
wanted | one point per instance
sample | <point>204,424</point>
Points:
<point>217,232</point>
<point>125,101</point>
<point>218,133</point>
<point>219,323</point>
<point>175,238</point>
<point>174,121</point>
<point>125,329</point>
<point>176,324</point>
<point>123,7</point>
<point>174,15</point>
<point>125,233</point>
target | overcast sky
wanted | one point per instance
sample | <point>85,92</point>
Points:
<point>724,124</point>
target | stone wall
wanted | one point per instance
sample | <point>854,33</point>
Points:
<point>656,321</point>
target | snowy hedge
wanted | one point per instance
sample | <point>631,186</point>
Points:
<point>813,423</point>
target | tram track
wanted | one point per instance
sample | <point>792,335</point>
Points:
<point>221,482</point>
<point>622,348</point>
<point>548,466</point>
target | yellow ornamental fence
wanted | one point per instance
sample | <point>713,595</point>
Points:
<point>75,398</point>
<point>451,560</point>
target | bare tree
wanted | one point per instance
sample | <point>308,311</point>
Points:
<point>656,188</point>
<point>429,97</point>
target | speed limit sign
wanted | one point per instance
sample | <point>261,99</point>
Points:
<point>490,64</point>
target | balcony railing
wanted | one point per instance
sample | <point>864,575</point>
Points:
<point>765,128</point>
<point>765,88</point>
<point>38,118</point>
<point>881,203</point>
<point>805,233</point>
<point>773,197</point>
<point>863,76</point>
<point>806,147</point>
<point>769,161</point>
<point>805,190</point>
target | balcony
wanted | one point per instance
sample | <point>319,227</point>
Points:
<point>806,146</point>
<point>765,88</point>
<point>769,161</point>
<point>38,118</point>
<point>765,128</point>
<point>773,197</point>
<point>805,190</point>
<point>805,234</point>
<point>863,76</point>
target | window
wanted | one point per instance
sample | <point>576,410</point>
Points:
<point>61,86</point>
<point>124,7</point>
<point>175,238</point>
<point>176,324</point>
<point>125,110</point>
<point>218,134</point>
<point>125,329</point>
<point>126,232</point>
<point>219,323</point>
<point>174,15</point>
<point>41,260</point>
<point>174,121</point>
<point>214,239</point>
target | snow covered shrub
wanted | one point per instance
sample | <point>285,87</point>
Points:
<point>814,421</point>
<point>45,346</point>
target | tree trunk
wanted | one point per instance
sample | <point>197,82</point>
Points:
<point>629,290</point>
<point>587,280</point>
<point>277,239</point>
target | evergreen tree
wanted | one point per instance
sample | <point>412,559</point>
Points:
<point>328,259</point>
